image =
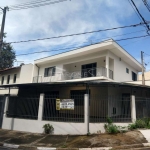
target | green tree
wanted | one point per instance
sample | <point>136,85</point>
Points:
<point>7,56</point>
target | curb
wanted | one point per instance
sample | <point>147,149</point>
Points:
<point>53,148</point>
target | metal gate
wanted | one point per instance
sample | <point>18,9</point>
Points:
<point>2,101</point>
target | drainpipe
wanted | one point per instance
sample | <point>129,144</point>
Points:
<point>38,71</point>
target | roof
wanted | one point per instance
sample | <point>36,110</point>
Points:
<point>8,69</point>
<point>110,45</point>
<point>72,83</point>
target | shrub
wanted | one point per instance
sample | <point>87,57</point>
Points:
<point>132,126</point>
<point>48,128</point>
<point>112,129</point>
<point>140,123</point>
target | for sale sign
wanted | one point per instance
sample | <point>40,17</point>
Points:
<point>64,104</point>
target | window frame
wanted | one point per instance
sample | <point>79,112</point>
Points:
<point>14,78</point>
<point>134,76</point>
<point>127,70</point>
<point>2,80</point>
<point>46,70</point>
<point>8,79</point>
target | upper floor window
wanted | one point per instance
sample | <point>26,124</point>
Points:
<point>127,70</point>
<point>134,76</point>
<point>15,77</point>
<point>8,79</point>
<point>50,71</point>
<point>2,80</point>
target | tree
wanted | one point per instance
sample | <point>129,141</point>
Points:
<point>7,56</point>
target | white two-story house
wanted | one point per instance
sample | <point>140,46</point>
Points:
<point>104,61</point>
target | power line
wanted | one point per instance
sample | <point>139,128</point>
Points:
<point>76,34</point>
<point>29,3</point>
<point>141,16</point>
<point>38,5</point>
<point>146,4</point>
<point>86,45</point>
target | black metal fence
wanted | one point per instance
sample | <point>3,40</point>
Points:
<point>23,107</point>
<point>50,112</point>
<point>116,108</point>
<point>2,102</point>
<point>142,107</point>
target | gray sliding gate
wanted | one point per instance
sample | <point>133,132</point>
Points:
<point>2,101</point>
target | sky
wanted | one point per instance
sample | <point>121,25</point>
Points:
<point>75,16</point>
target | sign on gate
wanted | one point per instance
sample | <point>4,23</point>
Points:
<point>64,104</point>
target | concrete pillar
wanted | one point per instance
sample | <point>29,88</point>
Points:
<point>133,108</point>
<point>41,107</point>
<point>107,66</point>
<point>86,111</point>
<point>6,105</point>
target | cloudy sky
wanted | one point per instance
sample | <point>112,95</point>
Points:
<point>74,16</point>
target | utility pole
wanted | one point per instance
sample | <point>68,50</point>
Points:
<point>142,61</point>
<point>2,27</point>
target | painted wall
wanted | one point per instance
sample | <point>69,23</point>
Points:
<point>26,73</point>
<point>120,69</point>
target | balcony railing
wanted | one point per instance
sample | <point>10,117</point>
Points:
<point>84,73</point>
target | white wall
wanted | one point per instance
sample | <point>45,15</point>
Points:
<point>120,69</point>
<point>26,73</point>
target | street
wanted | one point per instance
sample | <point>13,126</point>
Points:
<point>3,148</point>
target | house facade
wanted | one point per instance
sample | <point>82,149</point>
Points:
<point>94,78</point>
<point>103,61</point>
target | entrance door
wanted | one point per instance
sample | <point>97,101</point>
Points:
<point>2,100</point>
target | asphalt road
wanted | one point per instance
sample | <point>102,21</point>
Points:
<point>3,148</point>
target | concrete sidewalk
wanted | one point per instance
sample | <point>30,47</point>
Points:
<point>30,141</point>
<point>146,134</point>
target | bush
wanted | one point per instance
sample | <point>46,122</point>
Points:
<point>140,123</point>
<point>112,129</point>
<point>48,128</point>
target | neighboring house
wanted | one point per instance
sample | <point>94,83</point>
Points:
<point>15,75</point>
<point>146,76</point>
<point>103,61</point>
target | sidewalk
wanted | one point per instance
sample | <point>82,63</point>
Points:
<point>29,141</point>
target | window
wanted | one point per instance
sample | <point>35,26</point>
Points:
<point>49,71</point>
<point>89,70</point>
<point>127,70</point>
<point>2,80</point>
<point>15,77</point>
<point>8,79</point>
<point>114,110</point>
<point>134,76</point>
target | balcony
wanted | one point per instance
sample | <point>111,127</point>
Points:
<point>78,74</point>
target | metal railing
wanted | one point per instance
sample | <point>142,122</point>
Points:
<point>116,108</point>
<point>78,74</point>
<point>85,73</point>
<point>142,107</point>
<point>23,107</point>
<point>50,112</point>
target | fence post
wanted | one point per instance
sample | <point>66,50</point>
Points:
<point>86,111</point>
<point>41,107</point>
<point>133,108</point>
